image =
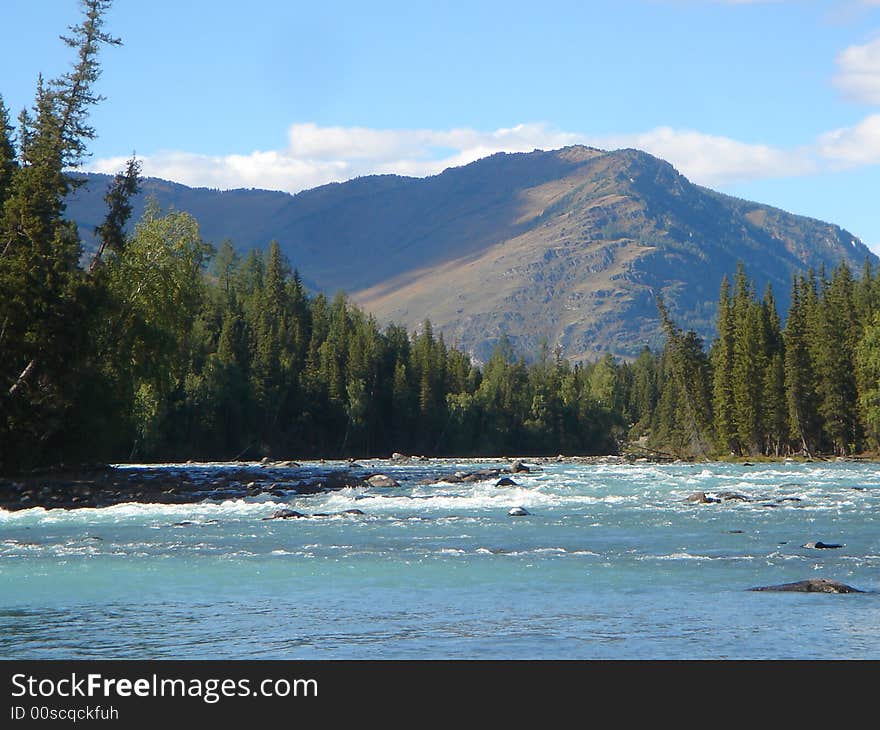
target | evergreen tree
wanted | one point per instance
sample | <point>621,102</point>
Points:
<point>775,408</point>
<point>687,400</point>
<point>724,404</point>
<point>798,361</point>
<point>42,288</point>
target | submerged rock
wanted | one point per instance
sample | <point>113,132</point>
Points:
<point>344,513</point>
<point>701,498</point>
<point>716,497</point>
<point>519,468</point>
<point>518,512</point>
<point>819,545</point>
<point>506,482</point>
<point>285,514</point>
<point>812,585</point>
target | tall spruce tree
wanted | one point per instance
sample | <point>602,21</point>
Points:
<point>724,404</point>
<point>42,287</point>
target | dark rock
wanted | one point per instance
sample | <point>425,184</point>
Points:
<point>821,546</point>
<point>341,480</point>
<point>732,497</point>
<point>519,468</point>
<point>506,482</point>
<point>339,514</point>
<point>307,488</point>
<point>812,585</point>
<point>518,512</point>
<point>701,498</point>
<point>285,514</point>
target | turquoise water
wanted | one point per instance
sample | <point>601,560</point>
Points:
<point>612,563</point>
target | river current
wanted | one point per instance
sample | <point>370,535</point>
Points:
<point>612,562</point>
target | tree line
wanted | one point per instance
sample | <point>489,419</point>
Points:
<point>809,387</point>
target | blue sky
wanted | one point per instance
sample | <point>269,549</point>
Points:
<point>775,101</point>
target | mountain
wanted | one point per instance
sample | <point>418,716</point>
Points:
<point>571,245</point>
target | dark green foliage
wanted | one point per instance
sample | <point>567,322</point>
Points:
<point>44,294</point>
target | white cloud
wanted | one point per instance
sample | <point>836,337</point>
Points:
<point>853,146</point>
<point>858,75</point>
<point>714,160</point>
<point>316,155</point>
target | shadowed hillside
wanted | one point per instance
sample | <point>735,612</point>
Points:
<point>571,245</point>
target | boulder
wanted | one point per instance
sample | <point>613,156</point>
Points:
<point>382,480</point>
<point>821,545</point>
<point>518,512</point>
<point>519,468</point>
<point>340,480</point>
<point>506,482</point>
<point>701,498</point>
<point>812,585</point>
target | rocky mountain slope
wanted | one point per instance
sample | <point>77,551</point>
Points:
<point>571,245</point>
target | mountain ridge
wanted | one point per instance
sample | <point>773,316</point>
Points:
<point>570,246</point>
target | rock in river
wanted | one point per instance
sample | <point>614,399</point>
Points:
<point>701,498</point>
<point>518,512</point>
<point>821,545</point>
<point>382,480</point>
<point>812,585</point>
<point>284,514</point>
<point>506,482</point>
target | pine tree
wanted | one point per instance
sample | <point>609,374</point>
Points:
<point>799,374</point>
<point>775,410</point>
<point>42,288</point>
<point>689,380</point>
<point>722,365</point>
